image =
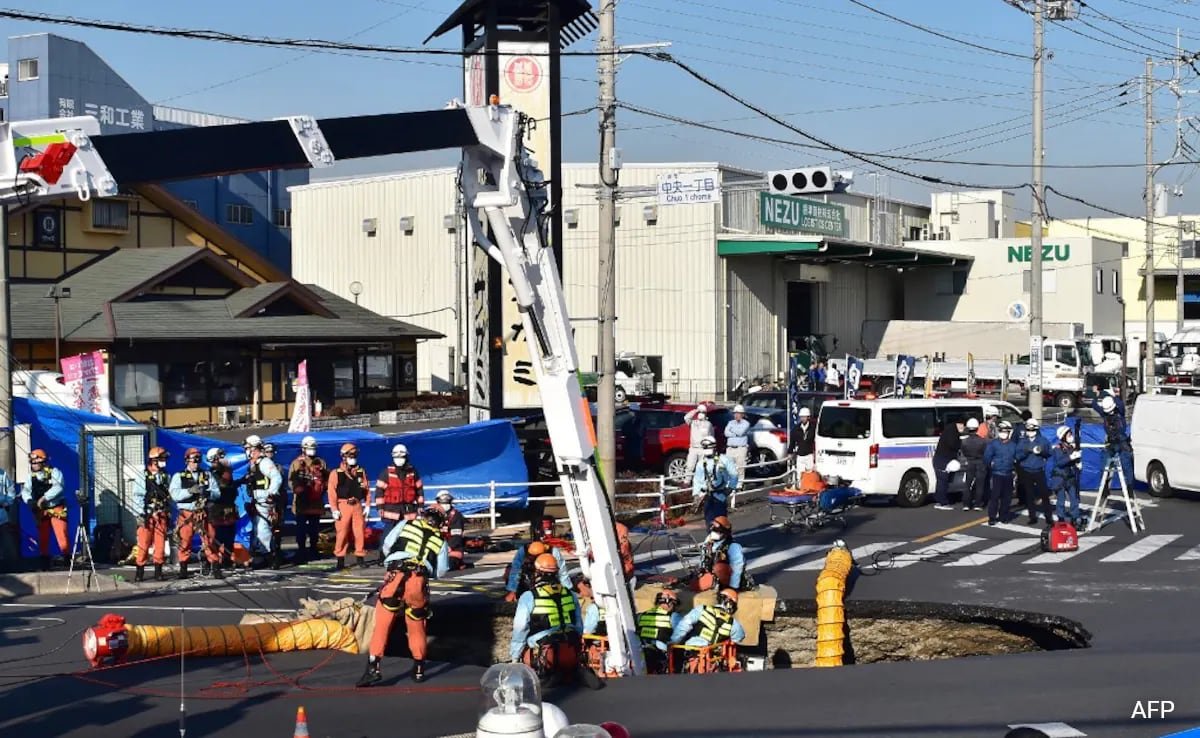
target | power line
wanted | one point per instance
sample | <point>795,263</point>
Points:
<point>1125,25</point>
<point>939,34</point>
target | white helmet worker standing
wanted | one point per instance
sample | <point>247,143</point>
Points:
<point>700,428</point>
<point>737,442</point>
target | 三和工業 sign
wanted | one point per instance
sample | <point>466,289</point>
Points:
<point>797,214</point>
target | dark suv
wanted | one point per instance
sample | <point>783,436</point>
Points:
<point>768,400</point>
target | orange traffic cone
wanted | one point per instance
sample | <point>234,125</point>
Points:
<point>301,724</point>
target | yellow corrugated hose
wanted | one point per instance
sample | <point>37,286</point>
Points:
<point>147,641</point>
<point>831,614</point>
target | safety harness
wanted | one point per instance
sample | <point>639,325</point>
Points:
<point>191,480</point>
<point>158,496</point>
<point>351,484</point>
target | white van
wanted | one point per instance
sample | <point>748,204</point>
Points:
<point>1165,439</point>
<point>885,447</point>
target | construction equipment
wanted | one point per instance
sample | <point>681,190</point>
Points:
<point>506,200</point>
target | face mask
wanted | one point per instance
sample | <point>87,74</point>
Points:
<point>310,452</point>
<point>708,452</point>
<point>714,536</point>
<point>1004,435</point>
<point>399,460</point>
<point>701,416</point>
<point>351,461</point>
<point>1031,434</point>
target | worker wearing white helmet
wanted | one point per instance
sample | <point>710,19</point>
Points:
<point>307,477</point>
<point>399,489</point>
<point>1116,434</point>
<point>737,442</point>
<point>974,446</point>
<point>991,416</point>
<point>803,443</point>
<point>713,482</point>
<point>701,428</point>
<point>453,527</point>
<point>264,483</point>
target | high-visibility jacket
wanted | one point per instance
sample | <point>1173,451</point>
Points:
<point>655,625</point>
<point>422,541</point>
<point>553,609</point>
<point>715,625</point>
<point>402,489</point>
<point>347,483</point>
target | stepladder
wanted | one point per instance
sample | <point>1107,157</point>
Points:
<point>1133,509</point>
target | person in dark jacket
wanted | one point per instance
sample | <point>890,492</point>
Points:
<point>947,450</point>
<point>1032,452</point>
<point>973,448</point>
<point>804,440</point>
<point>1000,458</point>
<point>1064,476</point>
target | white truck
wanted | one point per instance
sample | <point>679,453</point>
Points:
<point>1000,365</point>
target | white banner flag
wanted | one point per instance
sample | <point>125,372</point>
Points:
<point>302,413</point>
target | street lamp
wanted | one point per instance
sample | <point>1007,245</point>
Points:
<point>58,293</point>
<point>356,289</point>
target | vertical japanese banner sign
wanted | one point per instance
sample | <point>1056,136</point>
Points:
<point>928,377</point>
<point>795,371</point>
<point>302,412</point>
<point>854,372</point>
<point>904,373</point>
<point>970,375</point>
<point>477,327</point>
<point>525,85</point>
<point>85,376</point>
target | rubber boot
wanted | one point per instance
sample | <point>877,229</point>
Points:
<point>158,573</point>
<point>183,570</point>
<point>373,675</point>
<point>140,576</point>
<point>418,674</point>
<point>341,563</point>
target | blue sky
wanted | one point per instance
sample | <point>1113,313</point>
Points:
<point>833,68</point>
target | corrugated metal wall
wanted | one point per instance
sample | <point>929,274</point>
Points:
<point>854,294</point>
<point>407,276</point>
<point>753,324</point>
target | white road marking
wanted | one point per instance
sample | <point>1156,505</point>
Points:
<point>862,555</point>
<point>787,554</point>
<point>952,542</point>
<point>1029,530</point>
<point>1052,730</point>
<point>1141,549</point>
<point>1086,543</point>
<point>1191,555</point>
<point>989,555</point>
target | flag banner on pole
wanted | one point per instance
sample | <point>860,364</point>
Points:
<point>854,371</point>
<point>302,412</point>
<point>928,377</point>
<point>905,365</point>
<point>84,375</point>
<point>795,371</point>
<point>970,375</point>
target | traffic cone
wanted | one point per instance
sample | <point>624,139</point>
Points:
<point>301,724</point>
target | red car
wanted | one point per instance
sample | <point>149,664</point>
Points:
<point>666,436</point>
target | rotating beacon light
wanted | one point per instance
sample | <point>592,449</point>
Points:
<point>512,704</point>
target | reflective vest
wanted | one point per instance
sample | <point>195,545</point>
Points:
<point>40,484</point>
<point>403,485</point>
<point>553,609</point>
<point>308,483</point>
<point>191,479</point>
<point>655,625</point>
<point>422,541</point>
<point>158,493</point>
<point>715,625</point>
<point>351,483</point>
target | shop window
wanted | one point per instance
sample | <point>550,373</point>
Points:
<point>289,370</point>
<point>343,378</point>
<point>110,215</point>
<point>408,371</point>
<point>239,214</point>
<point>27,69</point>
<point>231,382</point>
<point>185,384</point>
<point>377,371</point>
<point>283,218</point>
<point>1049,281</point>
<point>136,385</point>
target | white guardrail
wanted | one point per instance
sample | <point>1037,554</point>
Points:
<point>666,487</point>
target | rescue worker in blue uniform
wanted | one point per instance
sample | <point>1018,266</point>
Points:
<point>710,625</point>
<point>1032,452</point>
<point>1064,476</point>
<point>548,623</point>
<point>1000,459</point>
<point>714,480</point>
<point>522,563</point>
<point>722,559</point>
<point>264,484</point>
<point>1116,436</point>
<point>655,628</point>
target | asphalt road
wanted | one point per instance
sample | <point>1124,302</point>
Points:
<point>1136,594</point>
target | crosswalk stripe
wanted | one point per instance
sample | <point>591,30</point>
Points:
<point>1191,555</point>
<point>1142,548</point>
<point>952,542</point>
<point>861,554</point>
<point>988,555</point>
<point>1029,530</point>
<point>788,554</point>
<point>1086,543</point>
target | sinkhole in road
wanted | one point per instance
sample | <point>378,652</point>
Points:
<point>877,631</point>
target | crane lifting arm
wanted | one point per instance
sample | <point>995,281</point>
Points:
<point>505,195</point>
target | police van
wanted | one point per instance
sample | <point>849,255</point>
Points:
<point>885,447</point>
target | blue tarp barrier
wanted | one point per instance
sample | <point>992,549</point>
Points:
<point>474,454</point>
<point>1093,458</point>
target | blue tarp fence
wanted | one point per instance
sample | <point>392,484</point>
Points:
<point>474,454</point>
<point>1093,458</point>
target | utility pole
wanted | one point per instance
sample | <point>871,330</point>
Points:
<point>1039,199</point>
<point>7,434</point>
<point>606,304</point>
<point>1148,361</point>
<point>1179,273</point>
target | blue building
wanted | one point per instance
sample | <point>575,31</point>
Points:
<point>48,76</point>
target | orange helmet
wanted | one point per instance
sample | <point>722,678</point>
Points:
<point>37,456</point>
<point>723,523</point>
<point>158,453</point>
<point>727,599</point>
<point>546,564</point>
<point>667,597</point>
<point>535,549</point>
<point>349,449</point>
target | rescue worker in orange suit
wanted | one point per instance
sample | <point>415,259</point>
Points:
<point>45,498</point>
<point>222,512</point>
<point>415,551</point>
<point>625,551</point>
<point>547,624</point>
<point>306,477</point>
<point>399,489</point>
<point>452,529</point>
<point>350,500</point>
<point>192,489</point>
<point>655,628</point>
<point>154,514</point>
<point>722,559</point>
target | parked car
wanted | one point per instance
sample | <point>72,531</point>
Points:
<point>534,438</point>
<point>777,400</point>
<point>666,436</point>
